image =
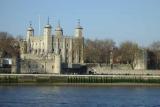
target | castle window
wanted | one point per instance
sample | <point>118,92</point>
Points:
<point>42,66</point>
<point>52,66</point>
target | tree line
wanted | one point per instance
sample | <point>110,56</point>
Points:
<point>95,51</point>
<point>102,51</point>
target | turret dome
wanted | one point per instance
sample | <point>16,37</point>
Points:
<point>30,28</point>
<point>59,28</point>
<point>48,26</point>
<point>78,25</point>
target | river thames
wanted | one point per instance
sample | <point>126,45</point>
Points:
<point>79,96</point>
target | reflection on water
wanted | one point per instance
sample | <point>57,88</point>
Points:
<point>63,96</point>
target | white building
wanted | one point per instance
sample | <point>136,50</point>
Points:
<point>46,53</point>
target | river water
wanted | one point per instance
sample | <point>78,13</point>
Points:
<point>78,96</point>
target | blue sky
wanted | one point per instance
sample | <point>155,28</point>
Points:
<point>120,20</point>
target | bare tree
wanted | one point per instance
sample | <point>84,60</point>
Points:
<point>8,45</point>
<point>98,51</point>
<point>155,48</point>
<point>128,52</point>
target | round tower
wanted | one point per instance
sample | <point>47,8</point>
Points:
<point>30,32</point>
<point>59,30</point>
<point>47,38</point>
<point>78,30</point>
<point>47,29</point>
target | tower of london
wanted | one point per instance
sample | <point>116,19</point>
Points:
<point>51,52</point>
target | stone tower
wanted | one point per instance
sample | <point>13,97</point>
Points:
<point>58,38</point>
<point>141,60</point>
<point>79,44</point>
<point>59,30</point>
<point>47,38</point>
<point>78,30</point>
<point>30,33</point>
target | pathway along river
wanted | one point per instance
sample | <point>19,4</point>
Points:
<point>78,96</point>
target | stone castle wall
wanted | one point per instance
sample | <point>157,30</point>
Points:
<point>46,53</point>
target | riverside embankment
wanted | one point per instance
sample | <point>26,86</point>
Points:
<point>54,79</point>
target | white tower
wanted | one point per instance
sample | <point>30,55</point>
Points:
<point>58,38</point>
<point>30,33</point>
<point>47,38</point>
<point>79,44</point>
<point>78,30</point>
<point>59,30</point>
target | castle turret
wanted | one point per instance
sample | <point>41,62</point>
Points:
<point>59,31</point>
<point>30,33</point>
<point>47,37</point>
<point>58,38</point>
<point>47,29</point>
<point>79,45</point>
<point>78,30</point>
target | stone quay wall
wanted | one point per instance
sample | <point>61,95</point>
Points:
<point>118,69</point>
<point>54,79</point>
